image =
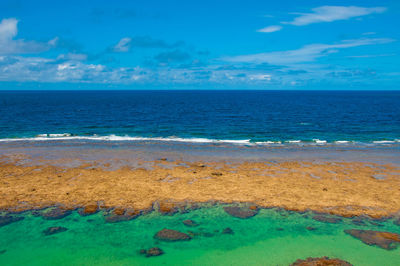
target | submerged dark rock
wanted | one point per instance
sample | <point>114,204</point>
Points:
<point>359,221</point>
<point>323,261</point>
<point>228,231</point>
<point>327,219</point>
<point>385,240</point>
<point>397,222</point>
<point>171,235</point>
<point>376,223</point>
<point>151,252</point>
<point>190,223</point>
<point>8,219</point>
<point>54,230</point>
<point>310,228</point>
<point>121,215</point>
<point>240,212</point>
<point>201,234</point>
<point>55,213</point>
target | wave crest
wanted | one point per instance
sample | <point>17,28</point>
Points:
<point>246,142</point>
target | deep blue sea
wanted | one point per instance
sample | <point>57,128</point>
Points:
<point>242,117</point>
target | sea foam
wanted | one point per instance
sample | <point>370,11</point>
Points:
<point>244,142</point>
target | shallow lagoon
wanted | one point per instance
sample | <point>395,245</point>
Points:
<point>273,237</point>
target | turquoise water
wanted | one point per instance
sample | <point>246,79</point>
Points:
<point>256,241</point>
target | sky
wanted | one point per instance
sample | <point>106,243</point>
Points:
<point>286,44</point>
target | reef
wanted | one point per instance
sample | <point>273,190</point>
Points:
<point>54,230</point>
<point>343,188</point>
<point>324,261</point>
<point>385,240</point>
<point>171,235</point>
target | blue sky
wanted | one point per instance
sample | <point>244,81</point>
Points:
<point>199,44</point>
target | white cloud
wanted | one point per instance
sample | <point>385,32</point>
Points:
<point>38,69</point>
<point>8,45</point>
<point>123,45</point>
<point>73,57</point>
<point>270,29</point>
<point>306,53</point>
<point>333,13</point>
<point>265,77</point>
<point>8,28</point>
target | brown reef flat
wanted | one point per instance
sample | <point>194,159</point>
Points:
<point>342,188</point>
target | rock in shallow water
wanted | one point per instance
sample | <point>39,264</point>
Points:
<point>327,219</point>
<point>8,219</point>
<point>167,208</point>
<point>151,252</point>
<point>88,210</point>
<point>55,214</point>
<point>240,212</point>
<point>359,221</point>
<point>384,240</point>
<point>397,222</point>
<point>171,235</point>
<point>190,223</point>
<point>311,228</point>
<point>121,215</point>
<point>228,231</point>
<point>323,261</point>
<point>54,230</point>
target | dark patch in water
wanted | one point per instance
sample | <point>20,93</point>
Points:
<point>171,235</point>
<point>54,213</point>
<point>121,215</point>
<point>151,252</point>
<point>327,219</point>
<point>310,228</point>
<point>54,230</point>
<point>8,219</point>
<point>190,223</point>
<point>397,222</point>
<point>320,262</point>
<point>376,224</point>
<point>386,240</point>
<point>228,231</point>
<point>240,212</point>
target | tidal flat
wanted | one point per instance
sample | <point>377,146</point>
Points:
<point>89,208</point>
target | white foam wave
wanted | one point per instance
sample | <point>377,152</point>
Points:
<point>384,141</point>
<point>341,141</point>
<point>293,141</point>
<point>247,142</point>
<point>318,141</point>
<point>267,142</point>
<point>67,136</point>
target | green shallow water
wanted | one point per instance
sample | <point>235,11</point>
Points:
<point>256,241</point>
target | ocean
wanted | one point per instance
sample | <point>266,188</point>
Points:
<point>236,117</point>
<point>118,149</point>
